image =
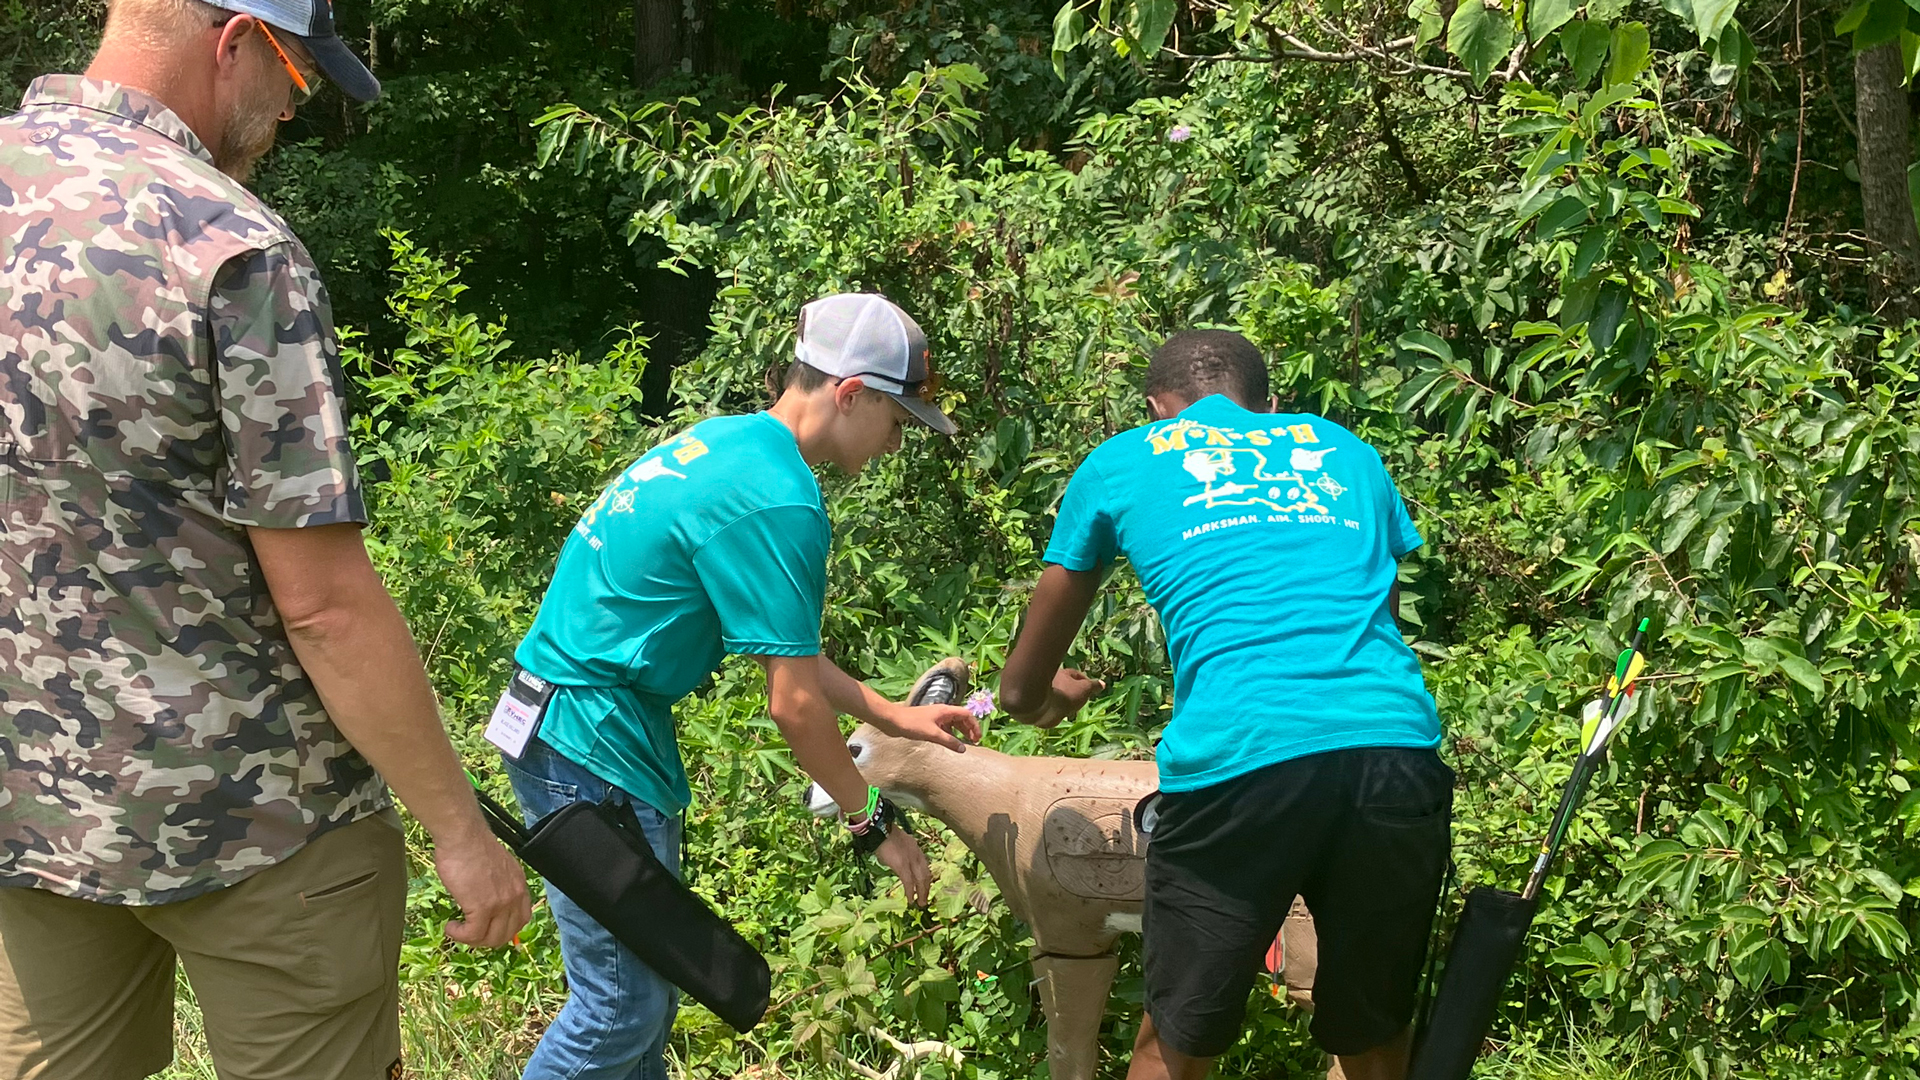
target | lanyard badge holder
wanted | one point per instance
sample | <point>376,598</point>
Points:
<point>598,855</point>
<point>517,716</point>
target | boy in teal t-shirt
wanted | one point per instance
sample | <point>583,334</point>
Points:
<point>1300,757</point>
<point>713,543</point>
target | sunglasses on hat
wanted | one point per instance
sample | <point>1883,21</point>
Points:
<point>924,389</point>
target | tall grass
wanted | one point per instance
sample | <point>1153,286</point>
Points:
<point>439,1043</point>
<point>1582,1056</point>
<point>493,1042</point>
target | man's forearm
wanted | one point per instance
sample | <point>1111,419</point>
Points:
<point>360,658</point>
<point>363,662</point>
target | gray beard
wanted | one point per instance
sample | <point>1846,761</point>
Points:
<point>245,139</point>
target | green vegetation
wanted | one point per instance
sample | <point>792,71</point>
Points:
<point>1617,289</point>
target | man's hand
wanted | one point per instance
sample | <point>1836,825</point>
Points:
<point>951,726</point>
<point>1070,692</point>
<point>486,881</point>
<point>902,855</point>
<point>356,649</point>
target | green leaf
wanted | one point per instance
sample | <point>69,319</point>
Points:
<point>1480,36</point>
<point>1607,313</point>
<point>1630,47</point>
<point>1151,20</point>
<point>1732,56</point>
<point>1566,212</point>
<point>1712,16</point>
<point>1427,14</point>
<point>1069,27</point>
<point>1874,22</point>
<point>1593,248</point>
<point>1913,176</point>
<point>1883,881</point>
<point>1429,343</point>
<point>1546,16</point>
<point>1585,45</point>
<point>1802,671</point>
<point>1576,301</point>
<point>1648,208</point>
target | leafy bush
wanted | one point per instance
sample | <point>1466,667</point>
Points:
<point>1590,421</point>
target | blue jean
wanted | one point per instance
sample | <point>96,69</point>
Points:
<point>619,1012</point>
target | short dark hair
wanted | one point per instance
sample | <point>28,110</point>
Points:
<point>804,377</point>
<point>1195,363</point>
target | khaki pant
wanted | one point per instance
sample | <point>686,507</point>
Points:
<point>296,970</point>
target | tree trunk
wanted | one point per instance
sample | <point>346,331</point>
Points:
<point>1886,149</point>
<point>657,46</point>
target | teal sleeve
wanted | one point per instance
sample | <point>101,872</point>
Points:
<point>1402,536</point>
<point>766,574</point>
<point>1083,533</point>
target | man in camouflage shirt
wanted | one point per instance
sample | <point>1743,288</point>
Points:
<point>200,671</point>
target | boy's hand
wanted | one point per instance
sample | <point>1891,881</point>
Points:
<point>1070,692</point>
<point>902,855</point>
<point>942,725</point>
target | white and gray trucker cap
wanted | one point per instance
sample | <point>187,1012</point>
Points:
<point>867,335</point>
<point>312,22</point>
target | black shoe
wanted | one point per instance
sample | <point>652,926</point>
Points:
<point>945,683</point>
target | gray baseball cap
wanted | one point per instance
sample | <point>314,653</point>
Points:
<point>311,21</point>
<point>866,334</point>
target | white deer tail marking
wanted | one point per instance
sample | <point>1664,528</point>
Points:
<point>819,803</point>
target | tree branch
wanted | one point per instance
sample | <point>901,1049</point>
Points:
<point>1301,51</point>
<point>1393,57</point>
<point>1396,149</point>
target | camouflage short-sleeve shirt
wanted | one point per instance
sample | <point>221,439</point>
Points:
<point>168,376</point>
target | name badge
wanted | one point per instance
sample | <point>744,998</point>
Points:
<point>518,715</point>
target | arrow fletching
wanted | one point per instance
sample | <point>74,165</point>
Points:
<point>1623,680</point>
<point>1618,702</point>
<point>1599,720</point>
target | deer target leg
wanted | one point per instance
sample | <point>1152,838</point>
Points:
<point>1302,949</point>
<point>1073,995</point>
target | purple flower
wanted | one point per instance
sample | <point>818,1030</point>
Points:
<point>1180,133</point>
<point>980,704</point>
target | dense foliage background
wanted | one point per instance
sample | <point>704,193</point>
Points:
<point>1618,289</point>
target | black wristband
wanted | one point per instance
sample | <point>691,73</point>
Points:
<point>874,833</point>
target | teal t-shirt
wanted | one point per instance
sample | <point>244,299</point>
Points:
<point>714,542</point>
<point>1267,542</point>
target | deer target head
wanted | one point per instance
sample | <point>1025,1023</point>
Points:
<point>898,767</point>
<point>903,769</point>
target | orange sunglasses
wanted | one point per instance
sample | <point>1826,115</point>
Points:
<point>302,89</point>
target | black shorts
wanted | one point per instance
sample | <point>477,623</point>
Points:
<point>1362,835</point>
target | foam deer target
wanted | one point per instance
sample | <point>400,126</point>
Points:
<point>1058,836</point>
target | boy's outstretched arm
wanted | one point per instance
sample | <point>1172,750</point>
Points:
<point>1034,688</point>
<point>951,726</point>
